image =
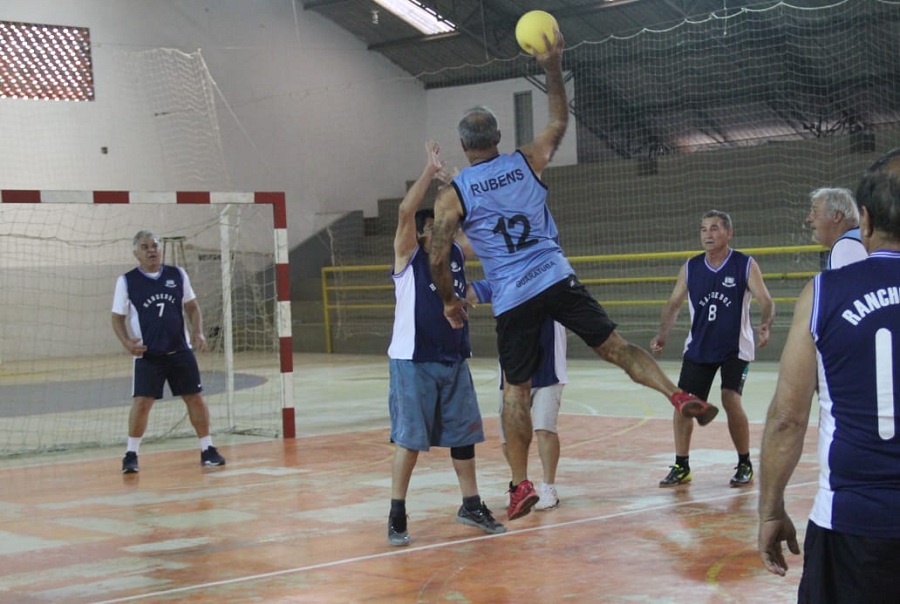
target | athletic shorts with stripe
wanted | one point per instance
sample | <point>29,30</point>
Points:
<point>519,328</point>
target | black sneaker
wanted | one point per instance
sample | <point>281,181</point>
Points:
<point>130,463</point>
<point>743,475</point>
<point>211,457</point>
<point>480,518</point>
<point>677,475</point>
<point>397,533</point>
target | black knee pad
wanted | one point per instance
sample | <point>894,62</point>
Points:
<point>463,453</point>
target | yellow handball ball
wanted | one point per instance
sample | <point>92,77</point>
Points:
<point>530,27</point>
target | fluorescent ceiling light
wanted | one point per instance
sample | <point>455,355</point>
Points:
<point>425,20</point>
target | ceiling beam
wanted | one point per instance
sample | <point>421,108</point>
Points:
<point>412,40</point>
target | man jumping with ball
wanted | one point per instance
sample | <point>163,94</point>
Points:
<point>500,202</point>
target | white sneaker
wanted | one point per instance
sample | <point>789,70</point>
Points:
<point>549,499</point>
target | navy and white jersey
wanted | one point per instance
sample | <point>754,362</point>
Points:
<point>719,300</point>
<point>506,219</point>
<point>421,332</point>
<point>846,250</point>
<point>154,307</point>
<point>855,322</point>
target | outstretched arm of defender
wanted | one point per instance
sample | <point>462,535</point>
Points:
<point>405,239</point>
<point>447,212</point>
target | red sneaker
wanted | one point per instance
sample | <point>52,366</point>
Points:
<point>522,498</point>
<point>691,406</point>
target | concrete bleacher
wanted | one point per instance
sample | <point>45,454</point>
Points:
<point>614,207</point>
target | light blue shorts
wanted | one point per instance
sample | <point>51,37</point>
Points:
<point>433,405</point>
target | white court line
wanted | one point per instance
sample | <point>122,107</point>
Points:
<point>408,550</point>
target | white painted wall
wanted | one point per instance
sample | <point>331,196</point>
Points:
<point>302,107</point>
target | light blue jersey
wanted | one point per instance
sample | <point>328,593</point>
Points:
<point>506,219</point>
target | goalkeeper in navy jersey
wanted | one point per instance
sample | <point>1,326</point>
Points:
<point>718,285</point>
<point>149,310</point>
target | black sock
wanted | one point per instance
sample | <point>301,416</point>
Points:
<point>398,507</point>
<point>398,514</point>
<point>473,503</point>
<point>744,458</point>
<point>682,461</point>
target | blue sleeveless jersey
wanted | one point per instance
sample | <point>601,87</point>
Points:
<point>719,301</point>
<point>506,219</point>
<point>855,323</point>
<point>421,332</point>
<point>159,306</point>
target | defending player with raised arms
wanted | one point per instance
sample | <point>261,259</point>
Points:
<point>432,400</point>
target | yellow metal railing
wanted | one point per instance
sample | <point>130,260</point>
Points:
<point>379,272</point>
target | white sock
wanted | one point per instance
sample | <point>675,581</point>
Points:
<point>205,443</point>
<point>134,443</point>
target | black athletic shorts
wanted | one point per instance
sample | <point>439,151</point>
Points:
<point>839,568</point>
<point>697,378</point>
<point>519,328</point>
<point>180,369</point>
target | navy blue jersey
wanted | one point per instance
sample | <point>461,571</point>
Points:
<point>855,322</point>
<point>719,300</point>
<point>506,219</point>
<point>159,305</point>
<point>421,331</point>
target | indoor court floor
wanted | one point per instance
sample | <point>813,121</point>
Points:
<point>304,520</point>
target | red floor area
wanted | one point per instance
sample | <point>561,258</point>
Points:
<point>305,521</point>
